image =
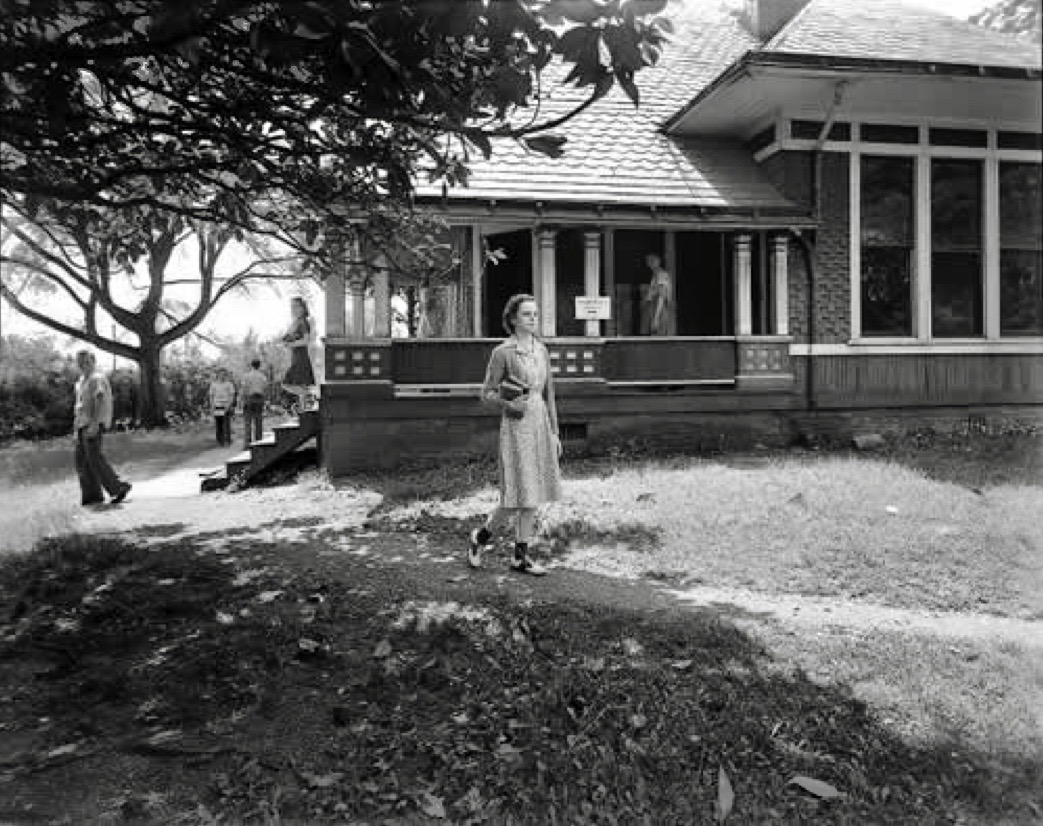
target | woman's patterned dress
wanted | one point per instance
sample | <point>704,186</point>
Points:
<point>529,474</point>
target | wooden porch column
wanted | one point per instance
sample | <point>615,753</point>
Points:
<point>358,308</point>
<point>477,269</point>
<point>592,276</point>
<point>547,276</point>
<point>381,300</point>
<point>334,293</point>
<point>743,286</point>
<point>670,263</point>
<point>780,274</point>
<point>610,279</point>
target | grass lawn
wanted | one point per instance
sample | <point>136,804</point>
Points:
<point>714,630</point>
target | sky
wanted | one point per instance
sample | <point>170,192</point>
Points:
<point>265,310</point>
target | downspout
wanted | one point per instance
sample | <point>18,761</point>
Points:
<point>805,244</point>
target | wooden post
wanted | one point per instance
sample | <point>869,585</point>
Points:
<point>477,271</point>
<point>547,243</point>
<point>592,276</point>
<point>358,308</point>
<point>670,264</point>
<point>743,278</point>
<point>611,327</point>
<point>780,273</point>
<point>334,292</point>
<point>381,299</point>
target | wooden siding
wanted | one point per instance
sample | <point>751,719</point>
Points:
<point>440,361</point>
<point>926,380</point>
<point>669,359</point>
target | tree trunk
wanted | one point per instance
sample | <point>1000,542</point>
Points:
<point>153,403</point>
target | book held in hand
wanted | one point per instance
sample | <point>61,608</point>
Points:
<point>511,389</point>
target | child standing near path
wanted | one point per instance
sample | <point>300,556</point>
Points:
<point>222,405</point>
<point>518,381</point>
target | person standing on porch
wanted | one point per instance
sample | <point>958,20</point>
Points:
<point>92,416</point>
<point>253,390</point>
<point>519,383</point>
<point>300,378</point>
<point>660,298</point>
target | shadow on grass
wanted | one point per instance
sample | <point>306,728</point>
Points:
<point>369,693</point>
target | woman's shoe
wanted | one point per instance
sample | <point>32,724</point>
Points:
<point>526,565</point>
<point>474,550</point>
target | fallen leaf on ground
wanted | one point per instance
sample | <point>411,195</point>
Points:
<point>432,806</point>
<point>725,795</point>
<point>818,788</point>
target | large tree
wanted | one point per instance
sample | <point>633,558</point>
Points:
<point>237,110</point>
<point>110,283</point>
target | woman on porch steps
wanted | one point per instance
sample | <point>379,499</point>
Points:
<point>300,378</point>
<point>518,381</point>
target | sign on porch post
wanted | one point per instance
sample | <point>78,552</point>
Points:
<point>589,304</point>
<point>593,308</point>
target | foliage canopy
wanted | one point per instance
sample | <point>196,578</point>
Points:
<point>243,110</point>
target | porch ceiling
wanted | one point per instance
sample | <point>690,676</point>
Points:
<point>743,101</point>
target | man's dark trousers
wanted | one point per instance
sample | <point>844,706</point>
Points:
<point>253,418</point>
<point>93,468</point>
<point>223,428</point>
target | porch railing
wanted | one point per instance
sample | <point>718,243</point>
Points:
<point>438,363</point>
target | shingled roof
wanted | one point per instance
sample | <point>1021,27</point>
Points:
<point>616,155</point>
<point>897,30</point>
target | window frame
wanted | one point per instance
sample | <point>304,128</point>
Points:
<point>923,153</point>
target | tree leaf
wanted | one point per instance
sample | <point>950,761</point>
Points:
<point>549,145</point>
<point>641,8</point>
<point>383,650</point>
<point>432,806</point>
<point>725,795</point>
<point>577,11</point>
<point>818,788</point>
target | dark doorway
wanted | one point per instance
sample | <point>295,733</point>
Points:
<point>511,274</point>
<point>704,284</point>
<point>568,267</point>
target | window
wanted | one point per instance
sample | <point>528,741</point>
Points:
<point>1021,250</point>
<point>888,241</point>
<point>888,133</point>
<point>957,262</point>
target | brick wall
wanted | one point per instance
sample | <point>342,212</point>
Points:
<point>792,174</point>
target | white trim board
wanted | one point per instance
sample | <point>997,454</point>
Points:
<point>1027,347</point>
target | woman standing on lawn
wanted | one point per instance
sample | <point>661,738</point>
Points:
<point>299,378</point>
<point>529,442</point>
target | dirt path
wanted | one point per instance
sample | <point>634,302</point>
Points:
<point>819,612</point>
<point>170,505</point>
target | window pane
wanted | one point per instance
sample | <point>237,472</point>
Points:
<point>957,307</point>
<point>888,210</point>
<point>1021,249</point>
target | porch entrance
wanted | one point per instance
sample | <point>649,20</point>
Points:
<point>509,275</point>
<point>704,291</point>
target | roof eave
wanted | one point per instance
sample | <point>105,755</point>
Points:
<point>839,64</point>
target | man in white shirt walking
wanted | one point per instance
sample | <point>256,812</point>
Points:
<point>92,416</point>
<point>254,389</point>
